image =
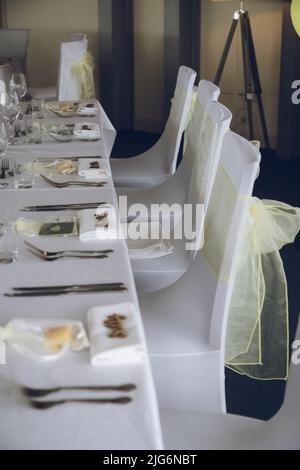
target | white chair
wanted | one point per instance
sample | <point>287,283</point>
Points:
<point>158,163</point>
<point>185,323</point>
<point>14,44</point>
<point>78,36</point>
<point>68,84</point>
<point>191,184</point>
<point>214,431</point>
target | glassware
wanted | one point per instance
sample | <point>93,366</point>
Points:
<point>24,174</point>
<point>10,109</point>
<point>38,108</point>
<point>3,140</point>
<point>8,243</point>
<point>18,85</point>
<point>33,127</point>
<point>3,147</point>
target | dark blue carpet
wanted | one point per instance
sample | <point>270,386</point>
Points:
<point>279,180</point>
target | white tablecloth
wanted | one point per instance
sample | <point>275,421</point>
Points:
<point>70,426</point>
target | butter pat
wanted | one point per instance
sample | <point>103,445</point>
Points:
<point>56,338</point>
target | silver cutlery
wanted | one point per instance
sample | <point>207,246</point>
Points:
<point>55,258</point>
<point>74,159</point>
<point>41,291</point>
<point>53,255</point>
<point>39,393</point>
<point>72,183</point>
<point>63,207</point>
<point>44,405</point>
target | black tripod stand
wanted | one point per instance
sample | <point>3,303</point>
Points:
<point>251,73</point>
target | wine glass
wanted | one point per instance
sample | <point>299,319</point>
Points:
<point>3,147</point>
<point>18,84</point>
<point>10,109</point>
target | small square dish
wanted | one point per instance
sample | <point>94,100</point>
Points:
<point>86,131</point>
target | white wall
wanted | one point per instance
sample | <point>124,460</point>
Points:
<point>51,22</point>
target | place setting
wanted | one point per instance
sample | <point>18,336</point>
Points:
<point>56,172</point>
<point>108,336</point>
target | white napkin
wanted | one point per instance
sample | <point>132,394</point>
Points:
<point>147,248</point>
<point>86,131</point>
<point>92,228</point>
<point>86,110</point>
<point>105,349</point>
<point>86,169</point>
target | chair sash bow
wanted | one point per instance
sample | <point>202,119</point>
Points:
<point>257,338</point>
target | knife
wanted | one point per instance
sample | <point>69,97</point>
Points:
<point>60,290</point>
<point>62,207</point>
<point>73,159</point>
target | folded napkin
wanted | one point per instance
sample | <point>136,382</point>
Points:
<point>93,168</point>
<point>87,109</point>
<point>146,248</point>
<point>99,224</point>
<point>86,131</point>
<point>114,335</point>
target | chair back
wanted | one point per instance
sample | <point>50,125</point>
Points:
<point>69,87</point>
<point>179,116</point>
<point>203,143</point>
<point>78,36</point>
<point>225,224</point>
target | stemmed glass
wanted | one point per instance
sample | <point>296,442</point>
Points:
<point>3,147</point>
<point>10,110</point>
<point>18,84</point>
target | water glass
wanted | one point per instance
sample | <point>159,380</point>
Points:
<point>10,109</point>
<point>3,140</point>
<point>8,243</point>
<point>24,174</point>
<point>18,85</point>
<point>33,128</point>
<point>38,108</point>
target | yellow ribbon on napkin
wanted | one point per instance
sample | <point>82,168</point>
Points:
<point>257,337</point>
<point>83,71</point>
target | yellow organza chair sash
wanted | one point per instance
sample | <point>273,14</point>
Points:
<point>83,71</point>
<point>257,338</point>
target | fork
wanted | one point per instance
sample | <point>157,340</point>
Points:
<point>39,393</point>
<point>72,183</point>
<point>44,405</point>
<point>53,255</point>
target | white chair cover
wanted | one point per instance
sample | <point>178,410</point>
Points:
<point>191,184</point>
<point>214,431</point>
<point>158,163</point>
<point>186,322</point>
<point>69,83</point>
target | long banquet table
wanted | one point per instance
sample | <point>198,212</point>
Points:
<point>70,426</point>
